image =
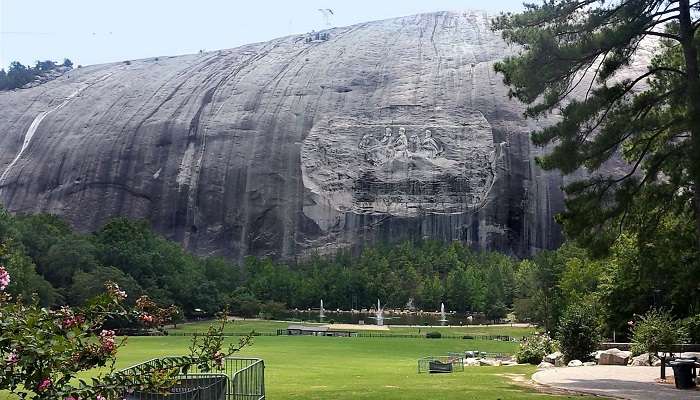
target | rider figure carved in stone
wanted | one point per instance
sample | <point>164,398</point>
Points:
<point>401,143</point>
<point>431,145</point>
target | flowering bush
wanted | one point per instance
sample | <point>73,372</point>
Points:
<point>42,350</point>
<point>534,348</point>
<point>4,278</point>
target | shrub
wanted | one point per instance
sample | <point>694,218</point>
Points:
<point>692,327</point>
<point>579,332</point>
<point>656,332</point>
<point>534,348</point>
<point>433,335</point>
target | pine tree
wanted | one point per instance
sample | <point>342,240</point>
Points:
<point>651,118</point>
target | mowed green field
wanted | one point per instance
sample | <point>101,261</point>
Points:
<point>304,367</point>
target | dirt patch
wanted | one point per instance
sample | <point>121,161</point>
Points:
<point>356,327</point>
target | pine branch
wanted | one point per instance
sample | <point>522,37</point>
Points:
<point>595,77</point>
<point>583,76</point>
<point>663,35</point>
<point>610,182</point>
<point>665,11</point>
<point>621,95</point>
<point>642,113</point>
<point>642,157</point>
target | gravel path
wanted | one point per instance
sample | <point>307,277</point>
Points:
<point>614,381</point>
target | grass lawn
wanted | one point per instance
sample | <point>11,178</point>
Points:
<point>357,368</point>
<point>304,367</point>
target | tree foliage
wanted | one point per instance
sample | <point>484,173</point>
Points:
<point>19,75</point>
<point>577,59</point>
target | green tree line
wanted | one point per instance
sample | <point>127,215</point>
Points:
<point>64,267</point>
<point>18,75</point>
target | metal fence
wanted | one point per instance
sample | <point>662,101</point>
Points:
<point>236,379</point>
<point>452,362</point>
<point>676,348</point>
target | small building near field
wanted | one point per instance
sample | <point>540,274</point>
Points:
<point>316,330</point>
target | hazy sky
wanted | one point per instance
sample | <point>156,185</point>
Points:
<point>98,31</point>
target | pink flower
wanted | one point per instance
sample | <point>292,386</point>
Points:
<point>71,321</point>
<point>100,397</point>
<point>107,341</point>
<point>71,398</point>
<point>4,278</point>
<point>146,318</point>
<point>114,291</point>
<point>45,384</point>
<point>218,359</point>
<point>12,358</point>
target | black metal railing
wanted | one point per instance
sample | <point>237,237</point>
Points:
<point>676,348</point>
<point>440,364</point>
<point>235,379</point>
<point>283,332</point>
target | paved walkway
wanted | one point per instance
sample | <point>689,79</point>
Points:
<point>634,383</point>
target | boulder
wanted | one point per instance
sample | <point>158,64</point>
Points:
<point>471,362</point>
<point>574,363</point>
<point>589,363</point>
<point>614,357</point>
<point>643,360</point>
<point>490,362</point>
<point>556,358</point>
<point>545,365</point>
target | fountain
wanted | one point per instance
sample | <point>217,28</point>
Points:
<point>443,319</point>
<point>321,312</point>
<point>380,314</point>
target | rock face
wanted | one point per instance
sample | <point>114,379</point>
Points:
<point>385,131</point>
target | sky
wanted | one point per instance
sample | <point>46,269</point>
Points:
<point>99,31</point>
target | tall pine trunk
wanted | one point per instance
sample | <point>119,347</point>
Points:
<point>690,54</point>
